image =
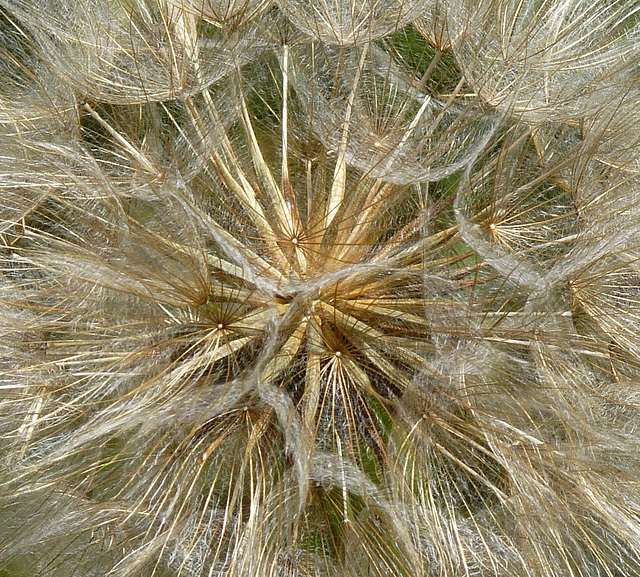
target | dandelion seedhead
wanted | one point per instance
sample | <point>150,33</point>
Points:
<point>340,288</point>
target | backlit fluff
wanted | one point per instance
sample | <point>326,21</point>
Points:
<point>342,288</point>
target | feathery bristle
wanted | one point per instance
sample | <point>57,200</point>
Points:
<point>338,288</point>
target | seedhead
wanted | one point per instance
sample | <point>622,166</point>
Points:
<point>342,288</point>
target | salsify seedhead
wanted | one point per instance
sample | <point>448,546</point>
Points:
<point>338,288</point>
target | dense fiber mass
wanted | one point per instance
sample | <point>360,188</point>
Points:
<point>331,288</point>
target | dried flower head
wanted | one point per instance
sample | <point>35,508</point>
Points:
<point>318,289</point>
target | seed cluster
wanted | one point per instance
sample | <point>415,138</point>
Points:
<point>339,288</point>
